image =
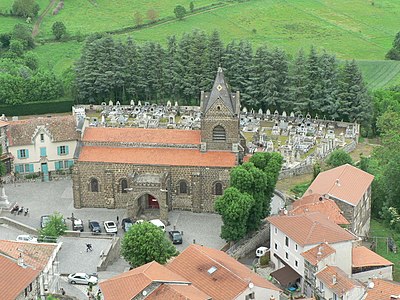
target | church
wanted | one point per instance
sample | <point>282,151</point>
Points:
<point>144,169</point>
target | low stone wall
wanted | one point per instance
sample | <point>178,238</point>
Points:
<point>18,225</point>
<point>110,255</point>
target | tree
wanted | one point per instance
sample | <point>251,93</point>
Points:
<point>191,6</point>
<point>23,33</point>
<point>17,48</point>
<point>25,8</point>
<point>59,30</point>
<point>179,12</point>
<point>54,228</point>
<point>138,18</point>
<point>394,52</point>
<point>234,207</point>
<point>339,157</point>
<point>152,15</point>
<point>298,100</point>
<point>144,243</point>
<point>3,169</point>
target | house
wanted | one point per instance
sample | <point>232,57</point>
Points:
<point>17,280</point>
<point>42,145</point>
<point>162,169</point>
<point>198,273</point>
<point>380,289</point>
<point>333,283</point>
<point>292,235</point>
<point>39,256</point>
<point>5,156</point>
<point>350,188</point>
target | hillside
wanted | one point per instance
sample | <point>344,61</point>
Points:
<point>350,29</point>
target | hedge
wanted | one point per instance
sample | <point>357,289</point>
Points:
<point>37,108</point>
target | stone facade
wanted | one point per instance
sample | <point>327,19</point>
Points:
<point>183,186</point>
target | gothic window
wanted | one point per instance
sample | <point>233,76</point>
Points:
<point>218,188</point>
<point>219,134</point>
<point>123,183</point>
<point>94,185</point>
<point>183,187</point>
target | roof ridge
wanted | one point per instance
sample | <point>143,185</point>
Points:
<point>340,174</point>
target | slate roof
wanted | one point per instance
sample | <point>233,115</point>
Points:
<point>158,156</point>
<point>346,183</point>
<point>142,135</point>
<point>318,253</point>
<point>383,289</point>
<point>129,284</point>
<point>36,255</point>
<point>311,228</point>
<point>316,203</point>
<point>343,283</point>
<point>61,128</point>
<point>363,257</point>
<point>13,278</point>
<point>221,91</point>
<point>229,279</point>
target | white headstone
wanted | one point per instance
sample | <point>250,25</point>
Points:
<point>110,103</point>
<point>268,112</point>
<point>132,103</point>
<point>139,103</point>
<point>260,111</point>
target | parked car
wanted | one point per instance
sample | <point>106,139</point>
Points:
<point>26,238</point>
<point>110,227</point>
<point>77,225</point>
<point>94,227</point>
<point>44,220</point>
<point>158,223</point>
<point>126,223</point>
<point>82,278</point>
<point>175,236</point>
<point>261,251</point>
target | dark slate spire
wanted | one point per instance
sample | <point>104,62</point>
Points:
<point>221,91</point>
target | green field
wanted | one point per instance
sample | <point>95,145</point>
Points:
<point>379,74</point>
<point>8,23</point>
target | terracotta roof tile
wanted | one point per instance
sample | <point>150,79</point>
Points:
<point>316,203</point>
<point>318,253</point>
<point>127,285</point>
<point>158,156</point>
<point>13,278</point>
<point>341,285</point>
<point>177,292</point>
<point>311,228</point>
<point>142,135</point>
<point>61,128</point>
<point>3,123</point>
<point>34,254</point>
<point>383,289</point>
<point>346,183</point>
<point>229,279</point>
<point>363,257</point>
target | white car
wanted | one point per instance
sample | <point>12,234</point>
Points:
<point>82,278</point>
<point>26,238</point>
<point>110,227</point>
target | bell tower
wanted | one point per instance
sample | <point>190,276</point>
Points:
<point>220,124</point>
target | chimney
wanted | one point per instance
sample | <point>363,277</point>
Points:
<point>20,261</point>
<point>334,279</point>
<point>337,182</point>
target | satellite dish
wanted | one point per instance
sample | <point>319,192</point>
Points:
<point>251,285</point>
<point>371,285</point>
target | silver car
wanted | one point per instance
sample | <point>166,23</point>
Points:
<point>82,278</point>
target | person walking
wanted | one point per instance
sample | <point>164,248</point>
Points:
<point>89,247</point>
<point>62,291</point>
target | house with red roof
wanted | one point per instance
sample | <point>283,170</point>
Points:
<point>350,188</point>
<point>198,273</point>
<point>162,169</point>
<point>381,289</point>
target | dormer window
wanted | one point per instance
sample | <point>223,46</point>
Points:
<point>42,138</point>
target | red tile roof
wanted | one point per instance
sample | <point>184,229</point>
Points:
<point>127,285</point>
<point>177,292</point>
<point>3,123</point>
<point>341,285</point>
<point>311,228</point>
<point>363,257</point>
<point>158,156</point>
<point>36,255</point>
<point>13,278</point>
<point>142,135</point>
<point>316,203</point>
<point>318,253</point>
<point>346,183</point>
<point>229,279</point>
<point>383,289</point>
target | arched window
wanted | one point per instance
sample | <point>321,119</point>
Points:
<point>218,188</point>
<point>94,185</point>
<point>183,187</point>
<point>219,134</point>
<point>123,184</point>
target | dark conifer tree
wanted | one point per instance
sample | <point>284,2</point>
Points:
<point>215,54</point>
<point>131,66</point>
<point>171,81</point>
<point>314,81</point>
<point>298,94</point>
<point>329,87</point>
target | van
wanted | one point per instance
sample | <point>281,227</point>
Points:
<point>158,223</point>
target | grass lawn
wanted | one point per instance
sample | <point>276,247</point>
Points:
<point>5,5</point>
<point>379,74</point>
<point>7,23</point>
<point>381,231</point>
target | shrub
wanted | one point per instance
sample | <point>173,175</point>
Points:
<point>264,260</point>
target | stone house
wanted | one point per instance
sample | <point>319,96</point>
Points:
<point>162,169</point>
<point>42,145</point>
<point>350,188</point>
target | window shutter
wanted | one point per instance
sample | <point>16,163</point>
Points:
<point>31,170</point>
<point>66,150</point>
<point>70,163</point>
<point>19,153</point>
<point>57,165</point>
<point>18,169</point>
<point>59,150</point>
<point>27,153</point>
